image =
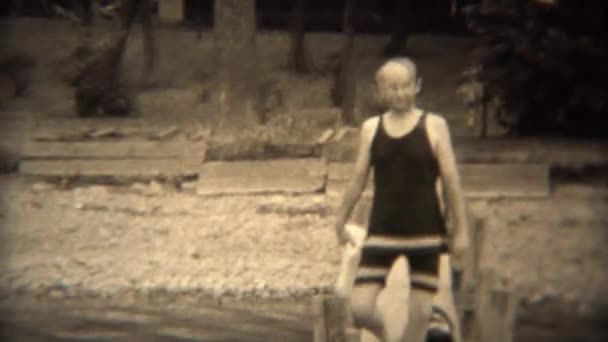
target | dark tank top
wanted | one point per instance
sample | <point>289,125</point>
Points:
<point>405,201</point>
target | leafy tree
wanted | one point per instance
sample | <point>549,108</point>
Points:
<point>541,61</point>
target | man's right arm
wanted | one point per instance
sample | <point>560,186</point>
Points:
<point>359,179</point>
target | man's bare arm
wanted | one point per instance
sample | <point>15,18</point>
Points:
<point>358,181</point>
<point>451,182</point>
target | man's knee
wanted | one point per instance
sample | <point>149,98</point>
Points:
<point>363,305</point>
<point>421,303</point>
<point>420,312</point>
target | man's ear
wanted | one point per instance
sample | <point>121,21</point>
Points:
<point>418,85</point>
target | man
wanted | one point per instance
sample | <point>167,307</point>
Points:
<point>413,159</point>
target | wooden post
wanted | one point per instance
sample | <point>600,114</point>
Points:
<point>333,320</point>
<point>348,65</point>
<point>466,290</point>
<point>473,261</point>
<point>234,30</point>
<point>495,310</point>
<point>171,11</point>
<point>318,312</point>
<point>484,113</point>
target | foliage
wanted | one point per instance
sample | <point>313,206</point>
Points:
<point>542,61</point>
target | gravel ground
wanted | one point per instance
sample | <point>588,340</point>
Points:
<point>147,237</point>
<point>108,240</point>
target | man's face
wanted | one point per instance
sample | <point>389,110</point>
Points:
<point>398,87</point>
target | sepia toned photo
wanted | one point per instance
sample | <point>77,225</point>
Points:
<point>303,170</point>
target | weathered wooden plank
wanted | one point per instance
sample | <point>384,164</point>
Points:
<point>318,312</point>
<point>505,180</point>
<point>478,180</point>
<point>495,310</point>
<point>254,177</point>
<point>171,11</point>
<point>135,168</point>
<point>332,319</point>
<point>113,149</point>
<point>568,152</point>
<point>80,129</point>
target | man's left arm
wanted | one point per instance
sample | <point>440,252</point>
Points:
<point>450,178</point>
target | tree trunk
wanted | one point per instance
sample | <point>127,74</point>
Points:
<point>234,30</point>
<point>84,10</point>
<point>300,57</point>
<point>130,10</point>
<point>16,7</point>
<point>345,86</point>
<point>397,45</point>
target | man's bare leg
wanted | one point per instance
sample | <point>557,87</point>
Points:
<point>393,303</point>
<point>405,311</point>
<point>363,305</point>
<point>420,303</point>
<point>395,312</point>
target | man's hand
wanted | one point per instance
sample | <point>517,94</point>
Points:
<point>351,234</point>
<point>460,248</point>
<point>343,236</point>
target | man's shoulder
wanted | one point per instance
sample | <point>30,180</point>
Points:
<point>436,118</point>
<point>437,123</point>
<point>369,127</point>
<point>370,124</point>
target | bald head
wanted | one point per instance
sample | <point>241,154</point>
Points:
<point>396,66</point>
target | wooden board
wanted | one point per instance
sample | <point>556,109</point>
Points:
<point>565,152</point>
<point>478,180</point>
<point>505,180</point>
<point>135,168</point>
<point>113,149</point>
<point>495,310</point>
<point>61,129</point>
<point>171,11</point>
<point>256,177</point>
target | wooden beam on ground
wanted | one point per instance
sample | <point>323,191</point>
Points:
<point>478,180</point>
<point>338,176</point>
<point>113,149</point>
<point>119,168</point>
<point>505,180</point>
<point>262,177</point>
<point>564,152</point>
<point>82,129</point>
